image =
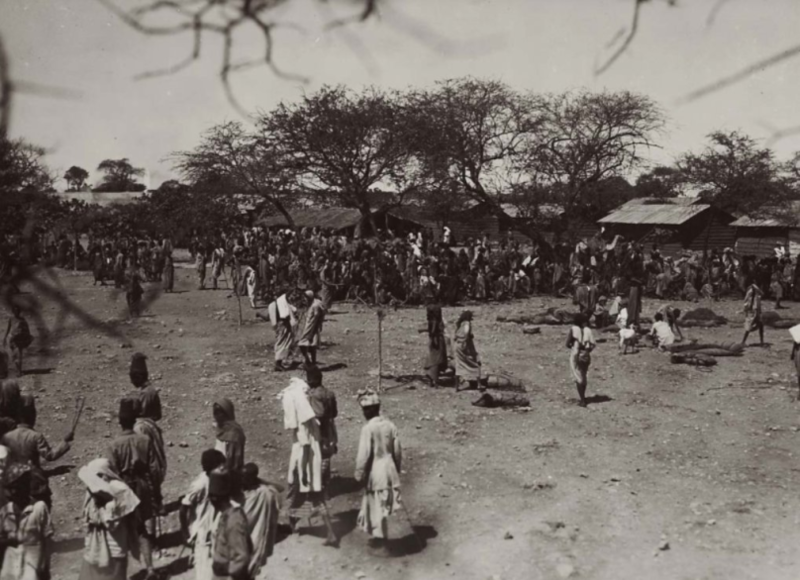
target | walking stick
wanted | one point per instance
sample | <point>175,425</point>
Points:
<point>79,402</point>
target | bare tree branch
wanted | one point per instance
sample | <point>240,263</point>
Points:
<point>637,4</point>
<point>727,81</point>
<point>712,16</point>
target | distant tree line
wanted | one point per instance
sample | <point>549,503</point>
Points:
<point>463,141</point>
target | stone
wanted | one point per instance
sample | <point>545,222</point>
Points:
<point>565,570</point>
<point>508,536</point>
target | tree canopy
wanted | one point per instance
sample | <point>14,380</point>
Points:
<point>119,175</point>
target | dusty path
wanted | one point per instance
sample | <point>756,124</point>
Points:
<point>699,463</point>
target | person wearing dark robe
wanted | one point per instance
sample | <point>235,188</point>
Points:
<point>168,273</point>
<point>261,509</point>
<point>323,401</point>
<point>10,401</point>
<point>133,292</point>
<point>150,429</point>
<point>200,268</point>
<point>230,435</point>
<point>232,549</point>
<point>145,392</point>
<point>18,337</point>
<point>132,457</point>
<point>28,446</point>
<point>312,328</point>
<point>436,363</point>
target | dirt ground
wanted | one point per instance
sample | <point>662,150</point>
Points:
<point>672,472</point>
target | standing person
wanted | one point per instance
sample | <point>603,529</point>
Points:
<point>27,528</point>
<point>146,393</point>
<point>581,343</point>
<point>261,510</point>
<point>251,283</point>
<point>283,321</point>
<point>323,401</point>
<point>109,513</point>
<point>132,457</point>
<point>309,339</point>
<point>217,264</point>
<point>168,273</point>
<point>306,495</point>
<point>30,447</point>
<point>752,313</point>
<point>231,549</point>
<point>230,436</point>
<point>436,362</point>
<point>18,337</point>
<point>149,428</point>
<point>378,466</point>
<point>200,267</point>
<point>468,362</point>
<point>133,291</point>
<point>197,515</point>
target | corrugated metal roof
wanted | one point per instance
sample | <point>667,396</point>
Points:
<point>778,218</point>
<point>661,214</point>
<point>682,200</point>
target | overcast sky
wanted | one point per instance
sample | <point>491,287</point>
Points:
<point>540,45</point>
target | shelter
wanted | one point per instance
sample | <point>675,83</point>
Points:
<point>675,227</point>
<point>759,236</point>
<point>344,220</point>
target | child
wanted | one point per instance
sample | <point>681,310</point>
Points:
<point>622,317</point>
<point>628,337</point>
<point>752,312</point>
<point>661,333</point>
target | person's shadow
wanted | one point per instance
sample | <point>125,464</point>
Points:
<point>598,399</point>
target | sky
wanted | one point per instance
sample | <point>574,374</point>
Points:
<point>538,45</point>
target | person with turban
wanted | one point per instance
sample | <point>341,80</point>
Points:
<point>147,393</point>
<point>230,435</point>
<point>27,527</point>
<point>378,466</point>
<point>109,513</point>
<point>28,446</point>
<point>132,457</point>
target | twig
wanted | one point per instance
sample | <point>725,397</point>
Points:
<point>625,43</point>
<point>79,402</point>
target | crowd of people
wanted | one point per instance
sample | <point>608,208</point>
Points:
<point>228,515</point>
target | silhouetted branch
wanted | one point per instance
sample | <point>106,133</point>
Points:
<point>637,4</point>
<point>742,74</point>
<point>6,89</point>
<point>712,16</point>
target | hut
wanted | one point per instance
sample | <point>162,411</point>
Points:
<point>343,220</point>
<point>759,236</point>
<point>675,227</point>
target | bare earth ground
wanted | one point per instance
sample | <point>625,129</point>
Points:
<point>697,463</point>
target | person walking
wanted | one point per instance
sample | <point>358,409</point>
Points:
<point>581,343</point>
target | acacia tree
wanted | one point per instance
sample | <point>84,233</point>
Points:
<point>119,175</point>
<point>231,160</point>
<point>76,178</point>
<point>661,182</point>
<point>345,145</point>
<point>736,175</point>
<point>22,167</point>
<point>587,138</point>
<point>474,134</point>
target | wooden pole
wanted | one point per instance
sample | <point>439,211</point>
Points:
<point>380,350</point>
<point>236,286</point>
